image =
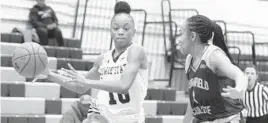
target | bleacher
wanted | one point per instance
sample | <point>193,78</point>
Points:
<point>44,102</point>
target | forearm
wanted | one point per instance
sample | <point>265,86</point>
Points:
<point>188,115</point>
<point>59,79</point>
<point>110,86</point>
<point>241,81</point>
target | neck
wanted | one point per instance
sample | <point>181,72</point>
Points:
<point>198,50</point>
<point>119,50</point>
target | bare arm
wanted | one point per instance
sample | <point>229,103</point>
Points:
<point>188,118</point>
<point>61,80</point>
<point>223,66</point>
<point>136,55</point>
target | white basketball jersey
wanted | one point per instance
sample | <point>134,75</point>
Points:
<point>126,107</point>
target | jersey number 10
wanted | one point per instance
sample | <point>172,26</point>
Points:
<point>123,98</point>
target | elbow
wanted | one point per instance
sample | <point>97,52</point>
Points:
<point>123,89</point>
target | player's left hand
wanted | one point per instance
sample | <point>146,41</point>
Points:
<point>74,75</point>
<point>233,93</point>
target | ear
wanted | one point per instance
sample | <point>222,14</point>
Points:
<point>193,36</point>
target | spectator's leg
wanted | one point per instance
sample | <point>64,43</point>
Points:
<point>58,35</point>
<point>43,35</point>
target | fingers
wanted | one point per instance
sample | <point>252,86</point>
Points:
<point>68,72</point>
<point>71,67</point>
<point>225,94</point>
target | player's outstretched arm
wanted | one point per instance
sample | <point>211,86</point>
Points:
<point>136,56</point>
<point>188,118</point>
<point>223,66</point>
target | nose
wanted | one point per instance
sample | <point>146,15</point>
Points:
<point>120,32</point>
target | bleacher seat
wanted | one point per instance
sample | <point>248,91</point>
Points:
<point>178,108</point>
<point>4,119</point>
<point>152,119</point>
<point>53,106</point>
<point>37,119</point>
<point>62,63</point>
<point>53,118</point>
<point>6,60</point>
<point>8,48</point>
<point>78,64</point>
<point>56,119</point>
<point>41,90</point>
<point>65,93</point>
<point>150,107</point>
<point>17,89</point>
<point>172,119</point>
<point>62,52</point>
<point>163,108</point>
<point>169,94</point>
<point>73,43</point>
<point>51,51</point>
<point>154,94</point>
<point>18,119</point>
<point>5,37</point>
<point>66,104</point>
<point>22,105</point>
<point>16,38</point>
<point>76,53</point>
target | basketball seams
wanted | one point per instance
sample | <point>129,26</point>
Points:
<point>34,60</point>
<point>27,61</point>
<point>40,58</point>
<point>29,53</point>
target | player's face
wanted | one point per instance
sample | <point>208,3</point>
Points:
<point>122,30</point>
<point>252,75</point>
<point>183,39</point>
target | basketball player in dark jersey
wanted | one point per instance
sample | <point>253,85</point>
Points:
<point>216,85</point>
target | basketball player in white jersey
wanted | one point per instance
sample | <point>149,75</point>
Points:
<point>121,74</point>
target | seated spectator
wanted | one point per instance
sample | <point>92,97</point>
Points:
<point>44,20</point>
<point>78,111</point>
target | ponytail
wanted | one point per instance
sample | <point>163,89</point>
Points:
<point>218,40</point>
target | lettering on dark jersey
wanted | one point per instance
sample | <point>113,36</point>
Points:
<point>199,83</point>
<point>112,70</point>
<point>201,110</point>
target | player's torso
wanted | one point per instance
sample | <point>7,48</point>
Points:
<point>205,89</point>
<point>130,103</point>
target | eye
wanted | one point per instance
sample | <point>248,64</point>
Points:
<point>126,29</point>
<point>115,28</point>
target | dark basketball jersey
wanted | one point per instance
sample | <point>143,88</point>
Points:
<point>205,89</point>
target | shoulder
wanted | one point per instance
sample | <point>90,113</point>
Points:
<point>136,51</point>
<point>98,61</point>
<point>137,48</point>
<point>217,57</point>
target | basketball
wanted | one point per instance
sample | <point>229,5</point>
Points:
<point>29,59</point>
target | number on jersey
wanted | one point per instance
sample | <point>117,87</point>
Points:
<point>123,98</point>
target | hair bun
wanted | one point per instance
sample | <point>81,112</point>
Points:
<point>122,7</point>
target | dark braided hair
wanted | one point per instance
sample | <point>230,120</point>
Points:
<point>204,27</point>
<point>122,7</point>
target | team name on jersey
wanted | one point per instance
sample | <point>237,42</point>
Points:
<point>201,110</point>
<point>198,82</point>
<point>112,70</point>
